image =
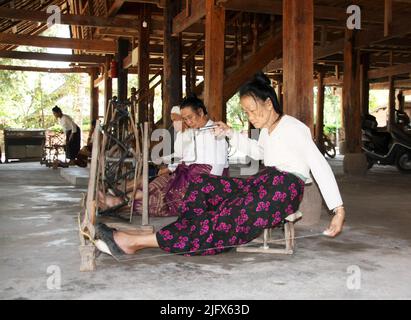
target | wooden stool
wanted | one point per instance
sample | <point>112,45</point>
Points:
<point>288,242</point>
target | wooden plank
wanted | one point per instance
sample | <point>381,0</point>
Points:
<point>61,43</point>
<point>75,58</point>
<point>67,19</point>
<point>214,60</point>
<point>391,104</point>
<point>115,8</point>
<point>45,70</point>
<point>298,56</point>
<point>401,69</point>
<point>182,22</point>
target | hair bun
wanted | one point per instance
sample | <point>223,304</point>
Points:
<point>261,78</point>
<point>192,95</point>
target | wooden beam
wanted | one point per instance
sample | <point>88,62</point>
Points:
<point>387,17</point>
<point>271,49</point>
<point>298,53</point>
<point>115,8</point>
<point>61,43</point>
<point>274,7</point>
<point>75,58</point>
<point>67,19</point>
<point>391,104</point>
<point>45,70</point>
<point>401,69</point>
<point>182,22</point>
<point>214,60</point>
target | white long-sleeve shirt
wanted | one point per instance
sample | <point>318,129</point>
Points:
<point>290,148</point>
<point>68,124</point>
<point>202,147</point>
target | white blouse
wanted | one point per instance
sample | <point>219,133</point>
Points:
<point>201,147</point>
<point>290,148</point>
<point>68,124</point>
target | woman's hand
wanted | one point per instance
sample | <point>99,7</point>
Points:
<point>337,224</point>
<point>223,130</point>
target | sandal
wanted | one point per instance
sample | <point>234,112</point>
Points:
<point>107,244</point>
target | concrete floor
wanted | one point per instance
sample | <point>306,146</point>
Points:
<point>38,230</point>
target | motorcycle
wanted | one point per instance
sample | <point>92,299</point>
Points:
<point>388,148</point>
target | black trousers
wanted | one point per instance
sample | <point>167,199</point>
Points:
<point>73,146</point>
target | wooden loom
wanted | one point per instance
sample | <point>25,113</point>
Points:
<point>125,158</point>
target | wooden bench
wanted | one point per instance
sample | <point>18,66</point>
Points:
<point>288,242</point>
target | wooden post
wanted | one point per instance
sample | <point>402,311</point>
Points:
<point>354,161</point>
<point>144,62</point>
<point>298,44</point>
<point>145,220</point>
<point>123,50</point>
<point>214,60</point>
<point>108,84</point>
<point>391,104</point>
<point>401,101</point>
<point>351,95</point>
<point>320,113</point>
<point>365,83</point>
<point>387,17</point>
<point>94,96</point>
<point>172,77</point>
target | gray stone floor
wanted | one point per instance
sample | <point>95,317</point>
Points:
<point>38,232</point>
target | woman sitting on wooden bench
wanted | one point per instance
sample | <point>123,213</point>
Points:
<point>218,213</point>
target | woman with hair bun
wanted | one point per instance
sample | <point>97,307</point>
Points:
<point>218,212</point>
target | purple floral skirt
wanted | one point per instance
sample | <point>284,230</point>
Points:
<point>218,213</point>
<point>166,193</point>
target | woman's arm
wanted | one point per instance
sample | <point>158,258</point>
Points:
<point>325,179</point>
<point>250,147</point>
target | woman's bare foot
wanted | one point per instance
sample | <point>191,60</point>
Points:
<point>107,201</point>
<point>127,242</point>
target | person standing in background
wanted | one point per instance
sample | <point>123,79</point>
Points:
<point>73,134</point>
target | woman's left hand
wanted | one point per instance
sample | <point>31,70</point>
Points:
<point>337,224</point>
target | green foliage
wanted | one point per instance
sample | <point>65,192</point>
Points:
<point>236,117</point>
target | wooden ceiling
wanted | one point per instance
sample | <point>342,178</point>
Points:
<point>118,18</point>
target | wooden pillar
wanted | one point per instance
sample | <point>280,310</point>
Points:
<point>391,104</point>
<point>351,94</point>
<point>214,60</point>
<point>144,62</point>
<point>298,29</point>
<point>401,101</point>
<point>365,84</point>
<point>94,95</point>
<point>319,130</point>
<point>108,84</point>
<point>387,17</point>
<point>123,50</point>
<point>172,77</point>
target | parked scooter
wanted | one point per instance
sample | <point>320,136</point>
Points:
<point>388,148</point>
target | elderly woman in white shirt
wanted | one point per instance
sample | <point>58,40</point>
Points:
<point>220,213</point>
<point>73,134</point>
<point>198,152</point>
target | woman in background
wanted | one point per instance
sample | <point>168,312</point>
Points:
<point>73,134</point>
